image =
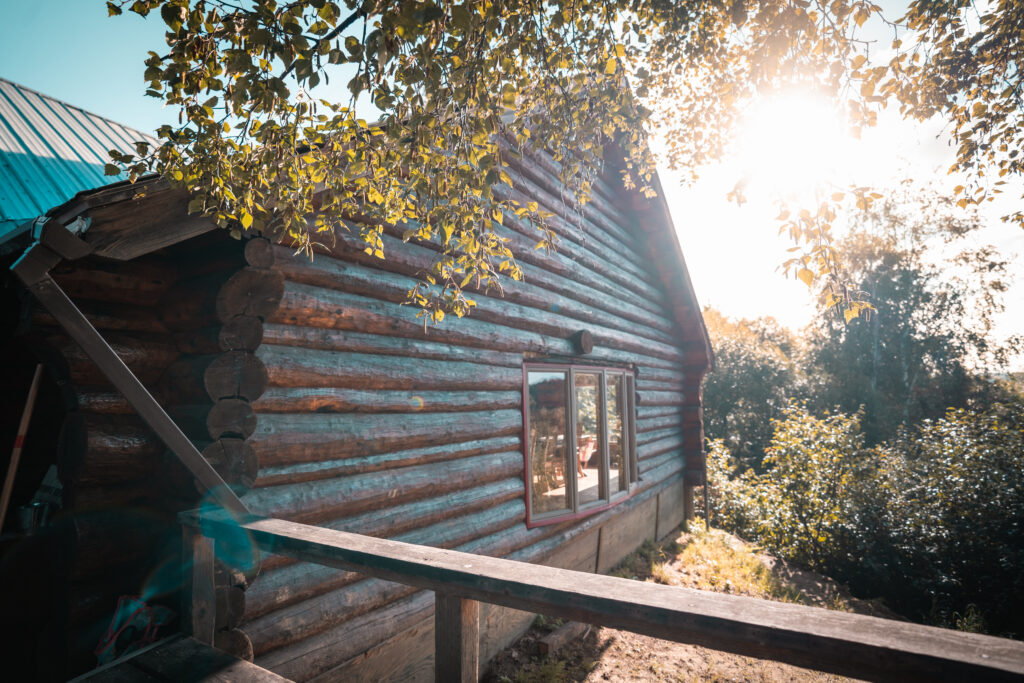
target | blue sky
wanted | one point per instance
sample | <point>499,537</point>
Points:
<point>71,50</point>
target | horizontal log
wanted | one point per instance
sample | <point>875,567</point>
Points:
<point>101,401</point>
<point>327,649</point>
<point>278,601</point>
<point>657,434</point>
<point>145,355</point>
<point>654,448</point>
<point>292,438</point>
<point>331,400</point>
<point>834,641</point>
<point>108,316</point>
<point>139,283</point>
<point>289,366</point>
<point>101,450</point>
<point>231,418</point>
<point>293,473</point>
<point>655,423</point>
<point>661,398</point>
<point>328,499</point>
<point>402,517</point>
<point>383,344</point>
<point>251,291</point>
<point>544,312</point>
<point>191,304</point>
<point>320,663</point>
<point>506,327</point>
<point>412,260</point>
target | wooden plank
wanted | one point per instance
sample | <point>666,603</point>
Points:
<point>198,597</point>
<point>837,642</point>
<point>187,661</point>
<point>456,638</point>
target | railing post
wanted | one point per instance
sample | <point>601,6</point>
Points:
<point>198,597</point>
<point>456,639</point>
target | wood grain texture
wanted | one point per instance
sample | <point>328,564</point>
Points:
<point>456,639</point>
<point>838,642</point>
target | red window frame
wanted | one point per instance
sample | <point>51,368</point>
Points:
<point>628,438</point>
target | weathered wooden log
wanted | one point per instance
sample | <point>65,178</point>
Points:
<point>99,450</point>
<point>655,423</point>
<point>235,642</point>
<point>316,307</point>
<point>661,398</point>
<point>328,649</point>
<point>107,316</point>
<point>235,461</point>
<point>654,385</point>
<point>192,303</point>
<point>654,435</point>
<point>230,606</point>
<point>522,306</point>
<point>100,401</point>
<point>275,592</point>
<point>290,366</point>
<point>235,374</point>
<point>332,400</point>
<point>654,448</point>
<point>294,438</point>
<point>491,324</point>
<point>251,291</point>
<point>231,418</point>
<point>139,283</point>
<point>293,473</point>
<point>539,289</point>
<point>259,252</point>
<point>404,517</point>
<point>358,342</point>
<point>241,333</point>
<point>334,647</point>
<point>670,457</point>
<point>328,499</point>
<point>146,356</point>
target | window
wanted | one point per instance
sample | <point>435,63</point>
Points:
<point>580,452</point>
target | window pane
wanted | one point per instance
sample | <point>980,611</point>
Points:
<point>618,473</point>
<point>547,447</point>
<point>589,434</point>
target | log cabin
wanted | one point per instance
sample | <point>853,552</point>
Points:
<point>558,424</point>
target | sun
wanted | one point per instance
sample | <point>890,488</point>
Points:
<point>791,144</point>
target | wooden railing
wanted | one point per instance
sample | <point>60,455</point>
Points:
<point>836,642</point>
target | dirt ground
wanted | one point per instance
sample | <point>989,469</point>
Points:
<point>708,561</point>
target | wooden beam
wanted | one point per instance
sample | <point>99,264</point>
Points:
<point>199,598</point>
<point>836,642</point>
<point>456,639</point>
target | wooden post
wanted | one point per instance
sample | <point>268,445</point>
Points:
<point>198,595</point>
<point>456,639</point>
<point>12,468</point>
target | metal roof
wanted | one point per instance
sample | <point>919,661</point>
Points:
<point>50,151</point>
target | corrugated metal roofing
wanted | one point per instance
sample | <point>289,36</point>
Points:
<point>50,151</point>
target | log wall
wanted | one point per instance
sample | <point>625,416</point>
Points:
<point>372,423</point>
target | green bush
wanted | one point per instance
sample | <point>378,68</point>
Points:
<point>932,521</point>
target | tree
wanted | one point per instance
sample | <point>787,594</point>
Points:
<point>929,343</point>
<point>755,377</point>
<point>261,140</point>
